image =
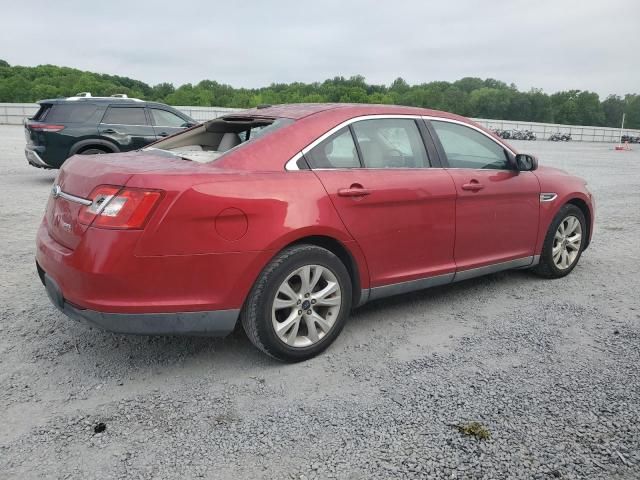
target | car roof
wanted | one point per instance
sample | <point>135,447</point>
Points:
<point>297,111</point>
<point>311,122</point>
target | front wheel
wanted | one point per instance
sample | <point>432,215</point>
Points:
<point>299,304</point>
<point>563,243</point>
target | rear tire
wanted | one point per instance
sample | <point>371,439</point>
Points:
<point>92,151</point>
<point>563,244</point>
<point>299,304</point>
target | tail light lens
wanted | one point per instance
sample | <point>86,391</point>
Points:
<point>45,127</point>
<point>119,207</point>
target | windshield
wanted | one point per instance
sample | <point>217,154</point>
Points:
<point>212,139</point>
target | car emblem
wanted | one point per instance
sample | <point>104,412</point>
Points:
<point>56,191</point>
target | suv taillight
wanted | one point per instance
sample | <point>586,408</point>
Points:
<point>119,207</point>
<point>45,127</point>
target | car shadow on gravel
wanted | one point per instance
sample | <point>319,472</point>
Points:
<point>139,356</point>
<point>455,293</point>
<point>126,353</point>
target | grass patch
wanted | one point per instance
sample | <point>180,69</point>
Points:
<point>475,429</point>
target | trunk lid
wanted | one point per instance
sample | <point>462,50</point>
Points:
<point>80,175</point>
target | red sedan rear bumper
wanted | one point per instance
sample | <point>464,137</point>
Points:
<point>102,282</point>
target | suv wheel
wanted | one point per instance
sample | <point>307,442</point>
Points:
<point>92,151</point>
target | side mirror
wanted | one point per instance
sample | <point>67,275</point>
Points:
<point>526,162</point>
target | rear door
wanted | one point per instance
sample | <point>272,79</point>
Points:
<point>399,209</point>
<point>497,206</point>
<point>166,123</point>
<point>127,126</point>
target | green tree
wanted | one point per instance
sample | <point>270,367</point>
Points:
<point>470,96</point>
<point>613,108</point>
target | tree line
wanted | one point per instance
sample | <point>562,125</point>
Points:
<point>471,97</point>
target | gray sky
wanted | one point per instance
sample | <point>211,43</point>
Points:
<point>553,45</point>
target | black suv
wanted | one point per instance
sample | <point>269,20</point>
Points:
<point>91,125</point>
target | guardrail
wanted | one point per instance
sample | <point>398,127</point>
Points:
<point>543,131</point>
<point>15,113</point>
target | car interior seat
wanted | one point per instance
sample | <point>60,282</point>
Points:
<point>228,141</point>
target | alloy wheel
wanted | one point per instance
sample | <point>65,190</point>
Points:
<point>567,242</point>
<point>306,306</point>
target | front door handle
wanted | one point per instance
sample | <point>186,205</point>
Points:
<point>109,130</point>
<point>355,190</point>
<point>163,134</point>
<point>473,186</point>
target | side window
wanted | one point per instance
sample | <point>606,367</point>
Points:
<point>125,116</point>
<point>390,143</point>
<point>163,118</point>
<point>337,151</point>
<point>468,148</point>
<point>69,113</point>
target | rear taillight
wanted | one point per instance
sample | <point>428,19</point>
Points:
<point>45,127</point>
<point>119,207</point>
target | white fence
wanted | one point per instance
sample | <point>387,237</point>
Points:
<point>544,130</point>
<point>14,114</point>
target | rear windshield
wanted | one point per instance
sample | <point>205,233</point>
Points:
<point>211,140</point>
<point>65,113</point>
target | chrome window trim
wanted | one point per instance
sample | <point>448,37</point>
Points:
<point>346,123</point>
<point>292,165</point>
<point>473,127</point>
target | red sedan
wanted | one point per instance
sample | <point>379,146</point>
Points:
<point>287,217</point>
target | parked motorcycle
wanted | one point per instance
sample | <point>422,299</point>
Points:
<point>630,139</point>
<point>560,137</point>
<point>515,134</point>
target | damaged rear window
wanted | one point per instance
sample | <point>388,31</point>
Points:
<point>212,139</point>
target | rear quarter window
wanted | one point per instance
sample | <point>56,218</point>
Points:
<point>42,112</point>
<point>68,113</point>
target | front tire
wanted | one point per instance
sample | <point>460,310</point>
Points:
<point>299,304</point>
<point>563,244</point>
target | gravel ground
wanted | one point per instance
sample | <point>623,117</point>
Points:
<point>548,368</point>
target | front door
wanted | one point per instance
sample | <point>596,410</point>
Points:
<point>497,208</point>
<point>399,210</point>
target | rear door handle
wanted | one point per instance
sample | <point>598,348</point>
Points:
<point>353,191</point>
<point>109,130</point>
<point>473,186</point>
<point>163,134</point>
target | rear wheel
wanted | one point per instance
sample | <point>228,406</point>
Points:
<point>299,304</point>
<point>93,151</point>
<point>563,243</point>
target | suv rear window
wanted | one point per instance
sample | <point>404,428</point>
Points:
<point>65,113</point>
<point>125,116</point>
